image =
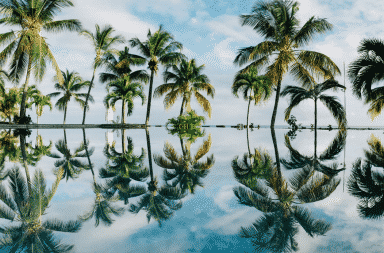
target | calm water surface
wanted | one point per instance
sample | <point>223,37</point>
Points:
<point>128,207</point>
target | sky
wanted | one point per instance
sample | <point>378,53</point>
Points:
<point>211,33</point>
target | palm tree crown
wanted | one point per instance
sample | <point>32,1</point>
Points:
<point>277,21</point>
<point>28,48</point>
<point>69,88</point>
<point>160,48</point>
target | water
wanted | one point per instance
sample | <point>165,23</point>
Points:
<point>211,218</point>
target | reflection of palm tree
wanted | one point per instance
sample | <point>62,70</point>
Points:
<point>67,160</point>
<point>125,167</point>
<point>185,171</point>
<point>27,205</point>
<point>160,204</point>
<point>102,207</point>
<point>9,103</point>
<point>8,147</point>
<point>368,185</point>
<point>297,160</point>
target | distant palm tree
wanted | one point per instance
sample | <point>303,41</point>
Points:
<point>28,48</point>
<point>367,184</point>
<point>70,87</point>
<point>249,83</point>
<point>102,42</point>
<point>126,91</point>
<point>9,101</point>
<point>277,21</point>
<point>35,97</point>
<point>367,70</point>
<point>185,171</point>
<point>26,206</point>
<point>160,48</point>
<point>187,81</point>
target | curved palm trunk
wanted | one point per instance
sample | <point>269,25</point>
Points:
<point>276,151</point>
<point>25,88</point>
<point>276,103</point>
<point>65,113</point>
<point>149,154</point>
<point>87,154</point>
<point>122,112</point>
<point>182,106</point>
<point>149,97</point>
<point>87,98</point>
<point>25,165</point>
<point>182,145</point>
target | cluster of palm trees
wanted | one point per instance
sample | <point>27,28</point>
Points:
<point>29,52</point>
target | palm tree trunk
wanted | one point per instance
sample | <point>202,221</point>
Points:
<point>65,113</point>
<point>182,106</point>
<point>276,103</point>
<point>249,150</point>
<point>65,137</point>
<point>249,103</point>
<point>122,112</point>
<point>182,145</point>
<point>25,165</point>
<point>87,154</point>
<point>149,98</point>
<point>277,160</point>
<point>315,126</point>
<point>123,140</point>
<point>25,87</point>
<point>87,98</point>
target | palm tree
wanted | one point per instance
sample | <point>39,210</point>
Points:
<point>367,70</point>
<point>297,160</point>
<point>185,171</point>
<point>124,168</point>
<point>277,21</point>
<point>9,101</point>
<point>123,89</point>
<point>367,184</point>
<point>299,94</point>
<point>250,82</point>
<point>68,89</point>
<point>39,100</point>
<point>9,147</point>
<point>102,42</point>
<point>103,206</point>
<point>187,81</point>
<point>158,48</point>
<point>160,203</point>
<point>28,48</point>
<point>27,206</point>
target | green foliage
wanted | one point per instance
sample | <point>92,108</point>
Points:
<point>186,126</point>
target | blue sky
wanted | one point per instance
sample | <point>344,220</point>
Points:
<point>211,33</point>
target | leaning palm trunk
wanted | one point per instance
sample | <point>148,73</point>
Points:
<point>89,92</point>
<point>277,159</point>
<point>25,165</point>
<point>182,106</point>
<point>249,103</point>
<point>25,88</point>
<point>149,97</point>
<point>65,113</point>
<point>276,103</point>
<point>87,154</point>
<point>149,154</point>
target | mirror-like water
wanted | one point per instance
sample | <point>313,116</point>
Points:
<point>98,191</point>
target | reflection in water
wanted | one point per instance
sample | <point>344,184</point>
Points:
<point>122,168</point>
<point>184,171</point>
<point>367,184</point>
<point>102,208</point>
<point>279,200</point>
<point>26,203</point>
<point>297,160</point>
<point>159,203</point>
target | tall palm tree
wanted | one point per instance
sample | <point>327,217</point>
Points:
<point>26,206</point>
<point>123,89</point>
<point>28,48</point>
<point>367,184</point>
<point>298,94</point>
<point>160,203</point>
<point>249,83</point>
<point>185,171</point>
<point>366,70</point>
<point>277,22</point>
<point>102,42</point>
<point>187,81</point>
<point>68,89</point>
<point>160,48</point>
